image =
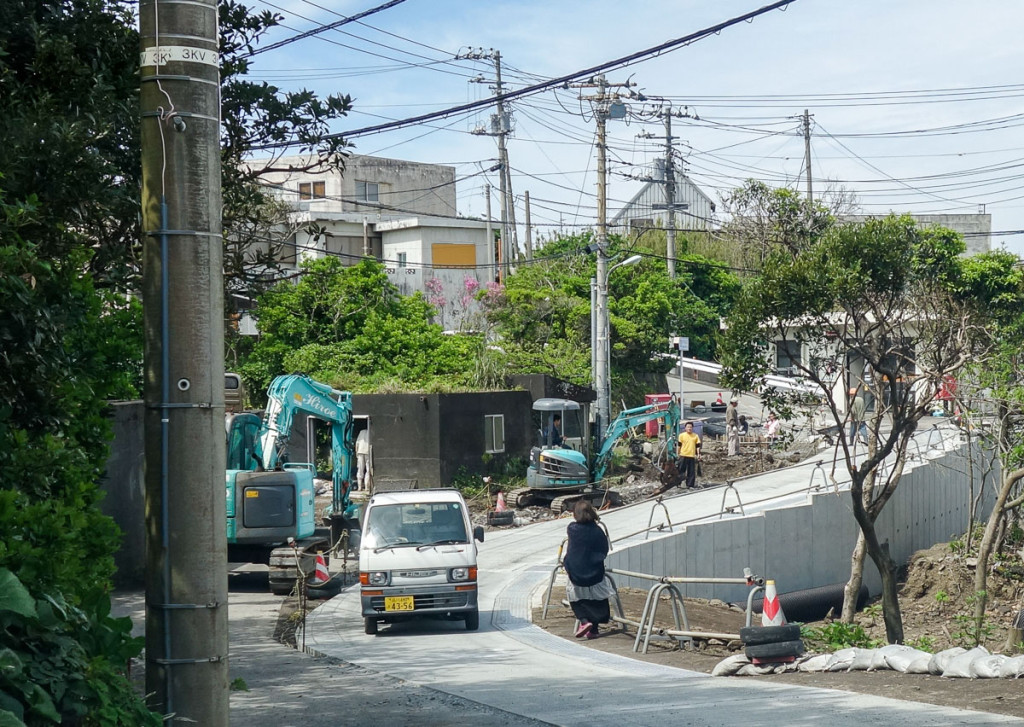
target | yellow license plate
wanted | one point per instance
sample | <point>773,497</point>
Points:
<point>398,603</point>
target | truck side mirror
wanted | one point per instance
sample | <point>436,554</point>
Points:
<point>478,533</point>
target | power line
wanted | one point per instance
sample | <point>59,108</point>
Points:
<point>621,62</point>
<point>323,28</point>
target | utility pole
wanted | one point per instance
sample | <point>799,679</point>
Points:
<point>605,106</point>
<point>807,157</point>
<point>670,196</point>
<point>186,554</point>
<point>490,233</point>
<point>529,233</point>
<point>501,127</point>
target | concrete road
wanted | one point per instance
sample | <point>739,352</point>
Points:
<point>516,667</point>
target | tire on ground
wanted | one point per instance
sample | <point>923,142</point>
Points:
<point>472,620</point>
<point>370,626</point>
<point>755,635</point>
<point>778,650</point>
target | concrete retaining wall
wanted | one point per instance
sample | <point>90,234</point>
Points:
<point>809,545</point>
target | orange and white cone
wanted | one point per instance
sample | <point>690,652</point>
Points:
<point>771,609</point>
<point>501,507</point>
<point>321,575</point>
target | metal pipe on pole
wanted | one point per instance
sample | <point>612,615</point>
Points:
<point>186,554</point>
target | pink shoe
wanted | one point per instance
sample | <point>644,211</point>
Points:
<point>583,629</point>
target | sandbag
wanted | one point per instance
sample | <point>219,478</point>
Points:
<point>1012,668</point>
<point>987,667</point>
<point>730,665</point>
<point>755,670</point>
<point>841,660</point>
<point>920,664</point>
<point>899,657</point>
<point>815,663</point>
<point>938,662</point>
<point>959,667</point>
<point>862,659</point>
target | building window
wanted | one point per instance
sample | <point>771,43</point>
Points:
<point>312,190</point>
<point>787,357</point>
<point>494,433</point>
<point>403,258</point>
<point>367,192</point>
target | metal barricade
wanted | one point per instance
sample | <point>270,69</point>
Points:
<point>668,518</point>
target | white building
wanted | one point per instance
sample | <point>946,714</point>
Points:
<point>400,213</point>
<point>694,209</point>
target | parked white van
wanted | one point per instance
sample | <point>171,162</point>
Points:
<point>417,558</point>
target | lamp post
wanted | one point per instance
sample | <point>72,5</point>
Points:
<point>602,358</point>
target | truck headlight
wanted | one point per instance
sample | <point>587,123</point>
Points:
<point>463,573</point>
<point>374,578</point>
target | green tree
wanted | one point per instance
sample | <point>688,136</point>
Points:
<point>877,306</point>
<point>541,318</point>
<point>350,327</point>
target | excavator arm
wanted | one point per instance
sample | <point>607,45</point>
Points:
<point>628,419</point>
<point>294,393</point>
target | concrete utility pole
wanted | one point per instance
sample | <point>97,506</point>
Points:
<point>501,127</point>
<point>670,195</point>
<point>603,104</point>
<point>529,233</point>
<point>807,157</point>
<point>490,233</point>
<point>186,554</point>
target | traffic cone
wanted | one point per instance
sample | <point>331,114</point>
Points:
<point>500,507</point>
<point>771,609</point>
<point>321,575</point>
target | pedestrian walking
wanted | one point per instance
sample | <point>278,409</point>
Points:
<point>858,408</point>
<point>732,427</point>
<point>588,589</point>
<point>689,454</point>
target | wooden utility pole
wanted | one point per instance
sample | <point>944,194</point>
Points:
<point>529,233</point>
<point>186,554</point>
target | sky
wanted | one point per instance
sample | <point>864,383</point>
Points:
<point>916,105</point>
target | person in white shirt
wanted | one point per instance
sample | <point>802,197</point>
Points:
<point>363,460</point>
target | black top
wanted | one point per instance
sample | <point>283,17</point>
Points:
<point>585,554</point>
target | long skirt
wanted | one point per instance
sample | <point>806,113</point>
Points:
<point>590,603</point>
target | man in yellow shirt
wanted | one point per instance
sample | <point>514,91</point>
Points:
<point>689,454</point>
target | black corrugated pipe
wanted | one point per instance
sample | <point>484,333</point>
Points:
<point>813,604</point>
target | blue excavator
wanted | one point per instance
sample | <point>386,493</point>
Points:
<point>561,473</point>
<point>271,514</point>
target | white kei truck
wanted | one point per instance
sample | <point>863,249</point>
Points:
<point>417,558</point>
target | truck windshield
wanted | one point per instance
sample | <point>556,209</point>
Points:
<point>389,526</point>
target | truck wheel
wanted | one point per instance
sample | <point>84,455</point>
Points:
<point>370,626</point>
<point>473,620</point>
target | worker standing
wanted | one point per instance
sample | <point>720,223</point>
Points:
<point>858,410</point>
<point>363,460</point>
<point>689,454</point>
<point>732,427</point>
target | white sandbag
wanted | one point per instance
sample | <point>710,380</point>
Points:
<point>841,660</point>
<point>959,667</point>
<point>987,667</point>
<point>938,662</point>
<point>878,660</point>
<point>1013,667</point>
<point>862,659</point>
<point>899,657</point>
<point>815,663</point>
<point>919,665</point>
<point>754,670</point>
<point>729,666</point>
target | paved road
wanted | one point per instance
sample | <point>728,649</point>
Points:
<point>514,666</point>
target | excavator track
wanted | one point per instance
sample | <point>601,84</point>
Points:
<point>597,498</point>
<point>286,563</point>
<point>520,498</point>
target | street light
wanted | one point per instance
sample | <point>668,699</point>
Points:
<point>602,351</point>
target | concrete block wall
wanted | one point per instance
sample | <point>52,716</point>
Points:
<point>808,545</point>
